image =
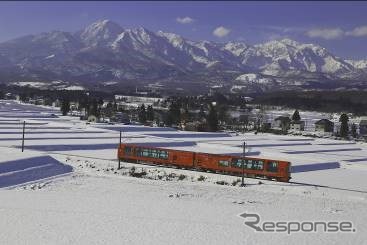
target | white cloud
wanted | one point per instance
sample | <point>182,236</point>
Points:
<point>184,20</point>
<point>326,33</point>
<point>358,31</point>
<point>221,31</point>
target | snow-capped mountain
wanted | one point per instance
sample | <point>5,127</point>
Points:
<point>106,53</point>
<point>275,57</point>
<point>100,33</point>
<point>359,64</point>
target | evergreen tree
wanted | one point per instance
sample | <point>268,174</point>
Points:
<point>223,113</point>
<point>23,97</point>
<point>212,119</point>
<point>296,117</point>
<point>100,102</point>
<point>185,115</point>
<point>344,125</point>
<point>114,106</point>
<point>109,110</point>
<point>142,114</point>
<point>93,109</point>
<point>174,113</point>
<point>150,113</point>
<point>201,113</point>
<point>65,107</point>
<point>354,130</point>
<point>284,124</point>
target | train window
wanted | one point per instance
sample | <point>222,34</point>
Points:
<point>237,163</point>
<point>163,154</point>
<point>138,152</point>
<point>223,163</point>
<point>258,165</point>
<point>146,153</point>
<point>249,164</point>
<point>254,164</point>
<point>272,166</point>
<point>154,153</point>
<point>128,150</point>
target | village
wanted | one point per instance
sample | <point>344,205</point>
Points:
<point>206,113</point>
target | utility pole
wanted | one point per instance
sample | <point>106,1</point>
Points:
<point>23,136</point>
<point>119,166</point>
<point>243,164</point>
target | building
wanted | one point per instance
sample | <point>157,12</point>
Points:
<point>266,126</point>
<point>56,103</point>
<point>324,125</point>
<point>92,118</point>
<point>9,96</point>
<point>121,118</point>
<point>137,99</point>
<point>131,102</point>
<point>363,127</point>
<point>297,126</point>
<point>282,122</point>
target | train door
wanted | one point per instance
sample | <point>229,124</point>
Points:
<point>202,161</point>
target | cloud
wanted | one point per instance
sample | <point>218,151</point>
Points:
<point>184,20</point>
<point>358,32</point>
<point>221,31</point>
<point>326,33</point>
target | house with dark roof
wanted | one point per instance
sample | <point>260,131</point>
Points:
<point>324,125</point>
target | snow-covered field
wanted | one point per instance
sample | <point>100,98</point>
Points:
<point>65,189</point>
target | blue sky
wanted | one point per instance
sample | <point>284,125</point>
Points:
<point>341,27</point>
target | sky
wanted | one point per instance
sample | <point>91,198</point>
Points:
<point>341,27</point>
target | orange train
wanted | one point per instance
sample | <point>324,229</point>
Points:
<point>253,167</point>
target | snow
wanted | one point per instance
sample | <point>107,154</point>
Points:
<point>50,56</point>
<point>254,78</point>
<point>89,201</point>
<point>359,64</point>
<point>31,84</point>
<point>74,88</point>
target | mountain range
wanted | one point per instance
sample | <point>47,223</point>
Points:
<point>107,56</point>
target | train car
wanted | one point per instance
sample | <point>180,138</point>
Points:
<point>152,155</point>
<point>252,167</point>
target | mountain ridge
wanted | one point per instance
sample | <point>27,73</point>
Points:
<point>106,53</point>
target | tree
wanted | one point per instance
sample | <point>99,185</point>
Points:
<point>261,117</point>
<point>150,113</point>
<point>142,114</point>
<point>284,124</point>
<point>223,113</point>
<point>93,109</point>
<point>354,130</point>
<point>185,115</point>
<point>344,125</point>
<point>109,110</point>
<point>174,113</point>
<point>23,97</point>
<point>65,107</point>
<point>212,119</point>
<point>201,112</point>
<point>296,117</point>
